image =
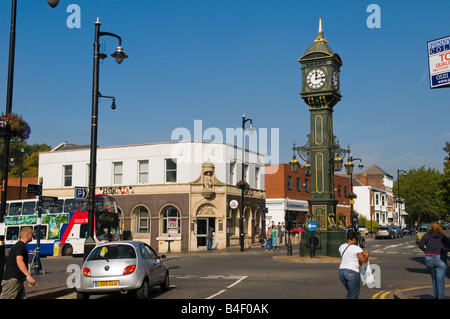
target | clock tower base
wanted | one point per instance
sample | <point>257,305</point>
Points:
<point>326,242</point>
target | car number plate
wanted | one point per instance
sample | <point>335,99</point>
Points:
<point>106,283</point>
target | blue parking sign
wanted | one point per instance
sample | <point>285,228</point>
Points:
<point>81,192</point>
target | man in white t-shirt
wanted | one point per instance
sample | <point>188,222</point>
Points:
<point>352,257</point>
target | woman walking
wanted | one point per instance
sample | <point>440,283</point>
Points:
<point>436,245</point>
<point>352,256</point>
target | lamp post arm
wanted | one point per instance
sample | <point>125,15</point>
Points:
<point>112,35</point>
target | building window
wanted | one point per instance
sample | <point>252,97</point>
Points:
<point>171,170</point>
<point>306,185</point>
<point>339,191</point>
<point>246,173</point>
<point>232,169</point>
<point>67,175</point>
<point>142,221</point>
<point>117,173</point>
<point>143,172</point>
<point>257,186</point>
<point>299,185</point>
<point>289,182</point>
<point>171,220</point>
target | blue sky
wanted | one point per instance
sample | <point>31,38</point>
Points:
<point>213,60</point>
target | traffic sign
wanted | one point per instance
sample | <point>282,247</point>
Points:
<point>49,201</point>
<point>311,225</point>
<point>81,192</point>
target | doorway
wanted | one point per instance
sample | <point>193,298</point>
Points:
<point>203,224</point>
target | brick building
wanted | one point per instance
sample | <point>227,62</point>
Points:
<point>287,195</point>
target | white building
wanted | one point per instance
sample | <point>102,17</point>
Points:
<point>371,203</point>
<point>197,180</point>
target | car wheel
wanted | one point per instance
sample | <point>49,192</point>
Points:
<point>142,293</point>
<point>165,285</point>
<point>362,243</point>
<point>82,295</point>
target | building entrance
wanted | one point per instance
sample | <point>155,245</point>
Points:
<point>203,224</point>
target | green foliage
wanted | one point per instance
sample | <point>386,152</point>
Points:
<point>30,157</point>
<point>426,192</point>
<point>445,181</point>
<point>372,225</point>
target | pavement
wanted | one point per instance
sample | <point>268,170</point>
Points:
<point>58,271</point>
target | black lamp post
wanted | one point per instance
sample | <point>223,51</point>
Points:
<point>119,56</point>
<point>7,136</point>
<point>349,169</point>
<point>243,183</point>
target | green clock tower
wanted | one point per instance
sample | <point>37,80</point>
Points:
<point>321,92</point>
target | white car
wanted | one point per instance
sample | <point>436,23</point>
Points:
<point>121,267</point>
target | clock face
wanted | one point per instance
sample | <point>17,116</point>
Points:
<point>335,79</point>
<point>316,78</point>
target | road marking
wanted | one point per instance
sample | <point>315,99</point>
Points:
<point>242,278</point>
<point>239,279</point>
<point>382,294</point>
<point>215,295</point>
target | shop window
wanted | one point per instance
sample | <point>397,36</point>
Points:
<point>171,220</point>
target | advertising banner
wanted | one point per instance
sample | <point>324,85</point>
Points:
<point>439,62</point>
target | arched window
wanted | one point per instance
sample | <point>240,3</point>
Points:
<point>171,220</point>
<point>142,225</point>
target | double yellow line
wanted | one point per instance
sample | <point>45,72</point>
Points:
<point>383,294</point>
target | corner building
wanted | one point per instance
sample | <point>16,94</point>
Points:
<point>176,189</point>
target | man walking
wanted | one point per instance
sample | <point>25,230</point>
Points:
<point>16,271</point>
<point>210,238</point>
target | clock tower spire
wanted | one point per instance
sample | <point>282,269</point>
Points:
<point>320,33</point>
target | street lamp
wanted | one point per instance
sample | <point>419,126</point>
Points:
<point>349,165</point>
<point>119,56</point>
<point>304,152</point>
<point>399,201</point>
<point>7,137</point>
<point>53,3</point>
<point>243,185</point>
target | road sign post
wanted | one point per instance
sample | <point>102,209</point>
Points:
<point>312,226</point>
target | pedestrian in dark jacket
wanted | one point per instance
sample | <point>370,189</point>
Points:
<point>436,245</point>
<point>16,271</point>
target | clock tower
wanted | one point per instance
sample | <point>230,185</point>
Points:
<point>321,92</point>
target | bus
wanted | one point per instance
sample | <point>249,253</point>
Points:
<point>66,224</point>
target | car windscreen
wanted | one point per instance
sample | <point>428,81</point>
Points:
<point>113,251</point>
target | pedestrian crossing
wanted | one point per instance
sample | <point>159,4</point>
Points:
<point>406,248</point>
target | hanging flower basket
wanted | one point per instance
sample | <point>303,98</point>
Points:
<point>243,184</point>
<point>17,126</point>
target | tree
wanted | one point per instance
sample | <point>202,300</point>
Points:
<point>423,213</point>
<point>445,181</point>
<point>422,192</point>
<point>30,157</point>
